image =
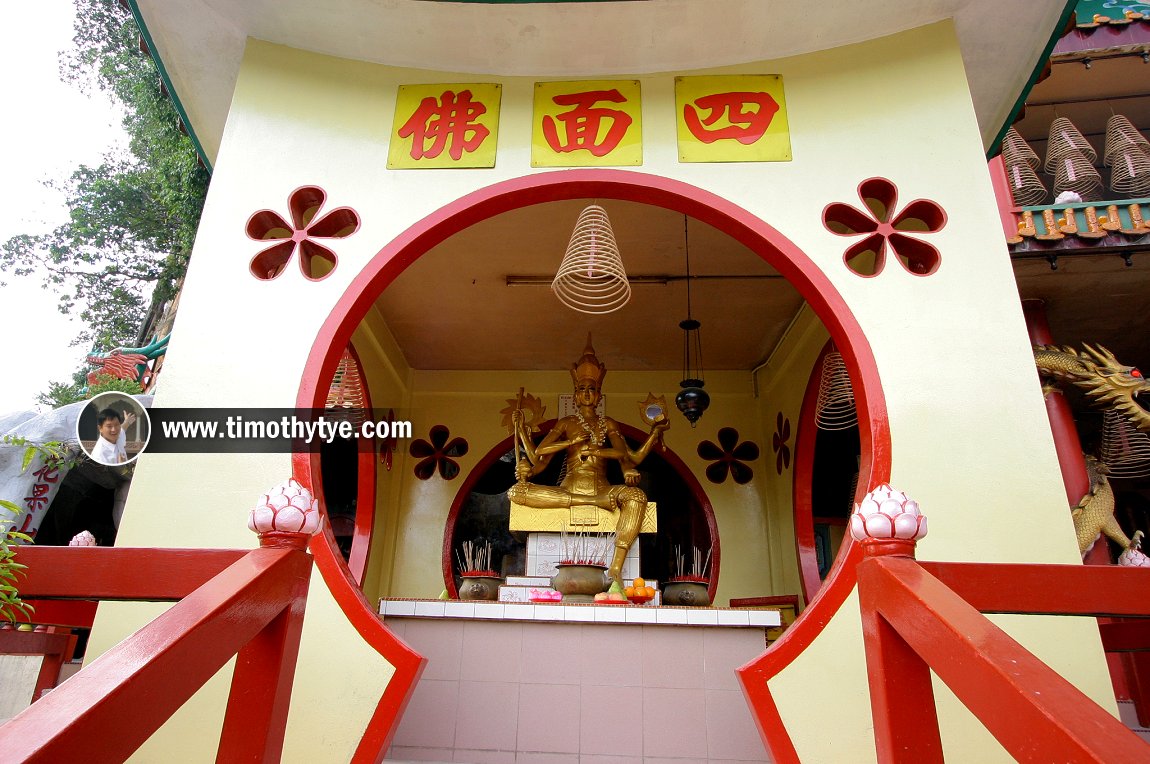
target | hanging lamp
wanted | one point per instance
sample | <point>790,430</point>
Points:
<point>692,399</point>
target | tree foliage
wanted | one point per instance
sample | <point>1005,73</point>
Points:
<point>132,219</point>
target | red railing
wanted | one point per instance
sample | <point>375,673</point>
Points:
<point>247,604</point>
<point>923,617</point>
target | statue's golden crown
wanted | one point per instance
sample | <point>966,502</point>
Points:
<point>588,366</point>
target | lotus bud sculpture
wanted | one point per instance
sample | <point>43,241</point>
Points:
<point>886,521</point>
<point>83,538</point>
<point>288,512</point>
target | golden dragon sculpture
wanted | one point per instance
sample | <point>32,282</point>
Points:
<point>1108,383</point>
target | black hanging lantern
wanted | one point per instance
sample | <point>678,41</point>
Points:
<point>692,400</point>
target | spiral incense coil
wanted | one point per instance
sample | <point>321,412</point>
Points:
<point>1016,149</point>
<point>1130,173</point>
<point>1120,136</point>
<point>346,391</point>
<point>1026,188</point>
<point>1065,140</point>
<point>1074,172</point>
<point>591,278</point>
<point>1125,451</point>
<point>835,407</point>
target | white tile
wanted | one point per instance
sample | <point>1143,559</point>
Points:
<point>610,613</point>
<point>459,609</point>
<point>703,616</point>
<point>670,615</point>
<point>528,581</point>
<point>517,611</point>
<point>399,607</point>
<point>765,617</point>
<point>429,607</point>
<point>642,615</point>
<point>549,612</point>
<point>734,617</point>
<point>578,613</point>
<point>489,610</point>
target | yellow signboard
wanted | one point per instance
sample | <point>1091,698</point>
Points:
<point>454,125</point>
<point>732,118</point>
<point>593,123</point>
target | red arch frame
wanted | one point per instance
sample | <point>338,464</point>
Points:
<point>761,238</point>
<point>632,433</point>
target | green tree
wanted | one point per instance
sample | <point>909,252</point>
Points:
<point>132,219</point>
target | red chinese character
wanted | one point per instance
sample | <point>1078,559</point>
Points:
<point>50,472</point>
<point>38,499</point>
<point>451,119</point>
<point>750,115</point>
<point>581,124</point>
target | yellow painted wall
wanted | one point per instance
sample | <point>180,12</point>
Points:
<point>970,437</point>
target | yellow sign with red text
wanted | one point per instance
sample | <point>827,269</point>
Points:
<point>453,125</point>
<point>732,118</point>
<point>593,123</point>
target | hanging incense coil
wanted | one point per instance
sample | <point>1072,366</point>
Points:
<point>1064,140</point>
<point>1130,173</point>
<point>591,278</point>
<point>1026,189</point>
<point>835,406</point>
<point>1125,451</point>
<point>1016,149</point>
<point>346,393</point>
<point>1120,136</point>
<point>1074,172</point>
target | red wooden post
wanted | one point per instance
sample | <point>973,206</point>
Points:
<point>256,716</point>
<point>888,524</point>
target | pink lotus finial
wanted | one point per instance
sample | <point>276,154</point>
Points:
<point>287,509</point>
<point>887,515</point>
<point>83,538</point>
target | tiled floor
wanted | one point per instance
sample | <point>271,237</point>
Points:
<point>577,693</point>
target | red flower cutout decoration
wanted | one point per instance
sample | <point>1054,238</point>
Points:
<point>438,453</point>
<point>315,260</point>
<point>729,457</point>
<point>880,197</point>
<point>779,443</point>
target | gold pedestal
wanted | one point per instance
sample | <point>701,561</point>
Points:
<point>585,517</point>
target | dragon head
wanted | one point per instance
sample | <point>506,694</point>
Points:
<point>1109,383</point>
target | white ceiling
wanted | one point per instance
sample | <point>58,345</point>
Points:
<point>445,308</point>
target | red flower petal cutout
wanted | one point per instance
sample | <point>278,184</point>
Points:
<point>337,224</point>
<point>426,468</point>
<point>304,203</point>
<point>717,472</point>
<point>438,435</point>
<point>420,448</point>
<point>315,260</point>
<point>267,224</point>
<point>741,473</point>
<point>844,220</point>
<point>880,196</point>
<point>918,257</point>
<point>746,451</point>
<point>709,451</point>
<point>269,263</point>
<point>867,257</point>
<point>728,439</point>
<point>448,469</point>
<point>457,447</point>
<point>921,215</point>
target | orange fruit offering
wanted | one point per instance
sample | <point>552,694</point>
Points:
<point>648,591</point>
<point>638,583</point>
<point>629,591</point>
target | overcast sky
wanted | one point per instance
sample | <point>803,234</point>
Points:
<point>49,128</point>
